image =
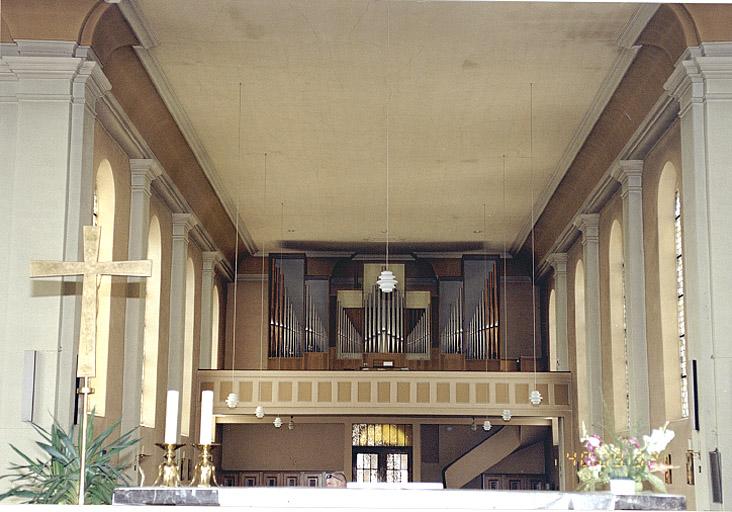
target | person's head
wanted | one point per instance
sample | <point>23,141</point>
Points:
<point>336,479</point>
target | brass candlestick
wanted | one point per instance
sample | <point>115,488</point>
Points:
<point>204,474</point>
<point>168,475</point>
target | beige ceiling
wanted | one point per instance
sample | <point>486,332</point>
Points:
<point>317,77</point>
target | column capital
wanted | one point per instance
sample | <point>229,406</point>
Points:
<point>42,70</point>
<point>629,173</point>
<point>697,65</point>
<point>143,171</point>
<point>182,224</point>
<point>558,261</point>
<point>589,226</point>
<point>209,260</point>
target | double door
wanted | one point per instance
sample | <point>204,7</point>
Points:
<point>382,464</point>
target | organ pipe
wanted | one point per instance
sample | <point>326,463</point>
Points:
<point>483,333</point>
<point>451,337</point>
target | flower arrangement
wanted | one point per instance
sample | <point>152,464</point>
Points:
<point>624,458</point>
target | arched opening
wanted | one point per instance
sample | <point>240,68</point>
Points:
<point>103,216</point>
<point>580,339</point>
<point>671,288</point>
<point>188,348</point>
<point>148,395</point>
<point>618,340</point>
<point>553,356</point>
<point>215,313</point>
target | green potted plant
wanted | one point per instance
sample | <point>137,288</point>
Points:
<point>53,478</point>
<point>624,463</point>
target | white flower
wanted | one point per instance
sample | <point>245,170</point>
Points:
<point>658,440</point>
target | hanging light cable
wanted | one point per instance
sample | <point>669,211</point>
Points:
<point>506,414</point>
<point>505,265</point>
<point>387,282</point>
<point>232,399</point>
<point>535,396</point>
<point>259,410</point>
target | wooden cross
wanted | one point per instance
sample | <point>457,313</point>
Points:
<point>91,269</point>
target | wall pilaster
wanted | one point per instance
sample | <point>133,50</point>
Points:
<point>629,173</point>
<point>702,84</point>
<point>588,224</point>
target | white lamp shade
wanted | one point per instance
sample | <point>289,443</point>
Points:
<point>232,400</point>
<point>386,282</point>
<point>506,415</point>
<point>535,397</point>
<point>487,425</point>
<point>277,422</point>
<point>259,412</point>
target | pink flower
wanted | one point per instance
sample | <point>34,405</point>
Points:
<point>593,442</point>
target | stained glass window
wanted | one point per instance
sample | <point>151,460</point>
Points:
<point>681,306</point>
<point>381,434</point>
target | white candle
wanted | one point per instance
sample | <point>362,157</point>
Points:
<point>206,416</point>
<point>171,418</point>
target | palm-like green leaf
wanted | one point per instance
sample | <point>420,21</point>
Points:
<point>54,478</point>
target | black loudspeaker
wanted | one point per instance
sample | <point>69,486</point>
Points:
<point>715,470</point>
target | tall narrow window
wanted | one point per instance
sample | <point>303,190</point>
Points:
<point>148,396</point>
<point>671,298</point>
<point>580,337</point>
<point>215,312</point>
<point>103,216</point>
<point>618,337</point>
<point>185,414</point>
<point>680,305</point>
<point>552,331</point>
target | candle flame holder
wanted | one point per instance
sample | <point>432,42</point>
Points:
<point>168,475</point>
<point>204,474</point>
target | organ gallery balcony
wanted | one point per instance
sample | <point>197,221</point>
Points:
<point>389,392</point>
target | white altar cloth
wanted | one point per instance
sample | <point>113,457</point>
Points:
<point>280,499</point>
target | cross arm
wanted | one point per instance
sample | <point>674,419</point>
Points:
<point>56,268</point>
<point>138,268</point>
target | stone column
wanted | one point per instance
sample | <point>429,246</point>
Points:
<point>182,224</point>
<point>588,225</point>
<point>142,172</point>
<point>558,261</point>
<point>210,259</point>
<point>49,94</point>
<point>702,83</point>
<point>629,174</point>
